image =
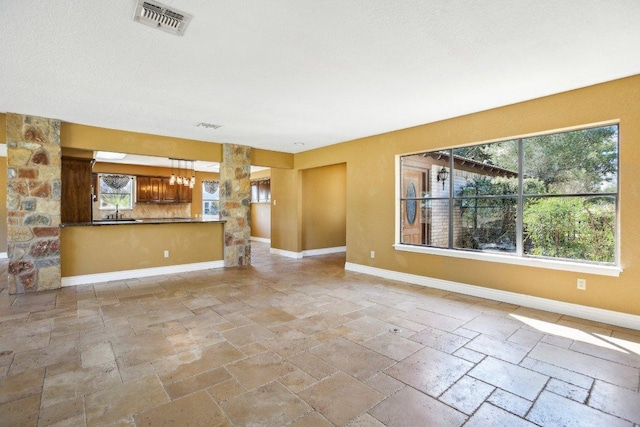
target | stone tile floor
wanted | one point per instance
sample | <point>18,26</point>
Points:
<point>304,343</point>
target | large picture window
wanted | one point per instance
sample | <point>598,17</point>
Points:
<point>551,196</point>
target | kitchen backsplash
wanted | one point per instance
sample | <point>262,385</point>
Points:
<point>181,210</point>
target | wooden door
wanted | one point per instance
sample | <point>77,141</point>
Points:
<point>76,197</point>
<point>413,224</point>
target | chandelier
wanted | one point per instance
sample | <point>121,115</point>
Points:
<point>179,179</point>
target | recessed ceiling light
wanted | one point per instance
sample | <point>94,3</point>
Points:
<point>108,155</point>
<point>298,143</point>
<point>209,125</point>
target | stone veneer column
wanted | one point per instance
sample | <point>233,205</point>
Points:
<point>235,203</point>
<point>33,203</point>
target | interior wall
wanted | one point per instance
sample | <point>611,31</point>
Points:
<point>3,205</point>
<point>285,210</point>
<point>3,186</point>
<point>324,207</point>
<point>371,194</point>
<point>261,220</point>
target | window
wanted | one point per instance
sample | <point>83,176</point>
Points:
<point>210,198</point>
<point>261,190</point>
<point>551,196</point>
<point>115,191</point>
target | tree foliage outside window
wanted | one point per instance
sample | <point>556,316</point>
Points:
<point>547,196</point>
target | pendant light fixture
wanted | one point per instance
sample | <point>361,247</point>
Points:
<point>172,180</point>
<point>179,178</point>
<point>193,175</point>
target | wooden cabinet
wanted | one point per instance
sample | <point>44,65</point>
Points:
<point>75,190</point>
<point>156,189</point>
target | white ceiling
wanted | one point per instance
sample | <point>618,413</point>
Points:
<point>279,72</point>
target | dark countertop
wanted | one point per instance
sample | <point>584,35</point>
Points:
<point>128,221</point>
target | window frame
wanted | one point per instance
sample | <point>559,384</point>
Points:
<point>212,199</point>
<point>132,195</point>
<point>519,257</point>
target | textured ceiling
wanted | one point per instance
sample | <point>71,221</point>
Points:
<point>279,72</point>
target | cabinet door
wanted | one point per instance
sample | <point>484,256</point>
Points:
<point>184,194</point>
<point>142,189</point>
<point>155,189</point>
<point>75,190</point>
<point>169,192</point>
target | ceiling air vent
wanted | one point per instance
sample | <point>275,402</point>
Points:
<point>157,15</point>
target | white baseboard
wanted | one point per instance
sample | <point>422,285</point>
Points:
<point>324,251</point>
<point>590,313</point>
<point>288,254</point>
<point>309,252</point>
<point>260,239</point>
<point>88,279</point>
<point>3,255</point>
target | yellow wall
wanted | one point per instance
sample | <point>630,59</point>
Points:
<point>261,220</point>
<point>286,210</point>
<point>3,204</point>
<point>371,194</point>
<point>96,138</point>
<point>108,248</point>
<point>324,207</point>
<point>3,186</point>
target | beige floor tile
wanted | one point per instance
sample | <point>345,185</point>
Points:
<point>260,369</point>
<point>297,381</point>
<point>440,340</point>
<point>409,407</point>
<point>553,410</point>
<point>271,405</point>
<point>312,365</point>
<point>197,383</point>
<point>226,390</point>
<point>489,415</point>
<point>136,349</point>
<point>512,378</point>
<point>22,412</point>
<point>467,394</point>
<point>313,419</point>
<point>392,346</point>
<point>247,334</point>
<point>615,373</point>
<point>384,384</point>
<point>430,371</point>
<point>615,400</point>
<point>18,386</point>
<point>195,361</point>
<point>110,405</point>
<point>499,348</point>
<point>64,411</point>
<point>341,398</point>
<point>355,360</point>
<point>123,349</point>
<point>195,410</point>
<point>97,354</point>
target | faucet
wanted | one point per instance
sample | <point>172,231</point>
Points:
<point>116,211</point>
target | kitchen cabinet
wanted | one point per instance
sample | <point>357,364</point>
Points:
<point>156,189</point>
<point>76,196</point>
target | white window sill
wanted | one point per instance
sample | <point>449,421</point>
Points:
<point>602,270</point>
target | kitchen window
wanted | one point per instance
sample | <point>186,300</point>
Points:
<point>115,191</point>
<point>210,198</point>
<point>552,196</point>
